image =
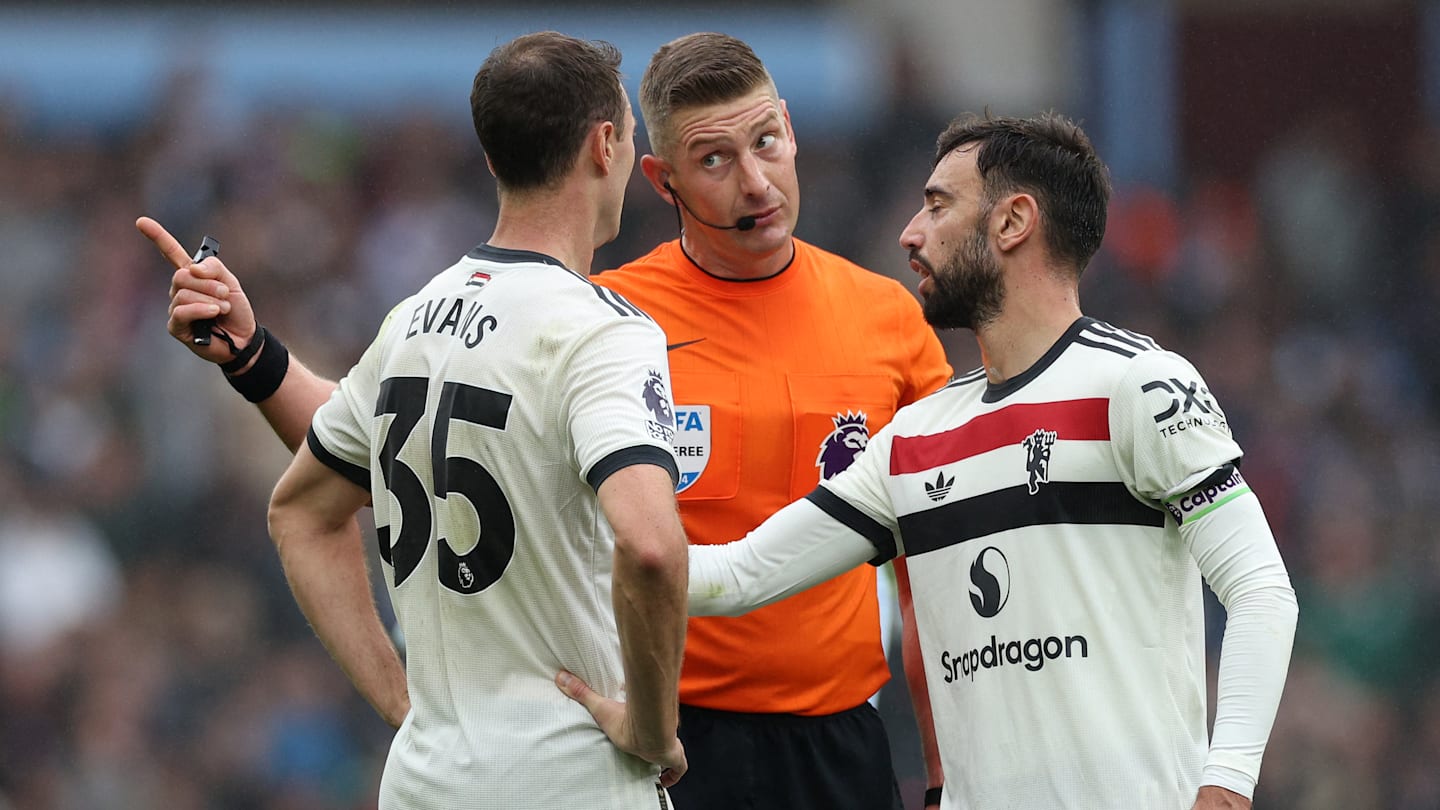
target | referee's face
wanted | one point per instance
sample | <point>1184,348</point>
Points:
<point>735,160</point>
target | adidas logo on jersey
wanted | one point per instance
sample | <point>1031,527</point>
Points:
<point>938,490</point>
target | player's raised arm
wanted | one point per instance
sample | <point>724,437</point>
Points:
<point>253,359</point>
<point>200,291</point>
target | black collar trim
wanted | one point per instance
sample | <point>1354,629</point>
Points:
<point>995,392</point>
<point>490,253</point>
<point>793,253</point>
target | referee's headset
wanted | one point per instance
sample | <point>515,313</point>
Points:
<point>744,223</point>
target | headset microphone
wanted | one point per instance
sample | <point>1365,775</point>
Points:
<point>742,224</point>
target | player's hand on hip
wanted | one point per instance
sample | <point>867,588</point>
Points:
<point>613,718</point>
<point>206,290</point>
<point>1218,798</point>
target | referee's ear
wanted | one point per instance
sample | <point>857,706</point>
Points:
<point>657,171</point>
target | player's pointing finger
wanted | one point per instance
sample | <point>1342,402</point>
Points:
<point>164,242</point>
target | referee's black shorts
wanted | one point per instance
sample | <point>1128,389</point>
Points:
<point>744,761</point>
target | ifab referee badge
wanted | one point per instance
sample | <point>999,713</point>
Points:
<point>691,443</point>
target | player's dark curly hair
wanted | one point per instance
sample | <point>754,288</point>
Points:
<point>1048,156</point>
<point>534,99</point>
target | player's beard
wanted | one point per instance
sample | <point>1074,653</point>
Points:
<point>968,290</point>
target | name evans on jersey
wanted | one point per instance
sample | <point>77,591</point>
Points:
<point>460,321</point>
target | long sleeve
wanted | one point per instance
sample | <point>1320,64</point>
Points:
<point>796,548</point>
<point>1236,552</point>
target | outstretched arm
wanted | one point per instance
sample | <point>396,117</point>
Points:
<point>796,548</point>
<point>208,290</point>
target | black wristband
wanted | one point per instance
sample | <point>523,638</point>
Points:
<point>264,378</point>
<point>932,795</point>
<point>243,356</point>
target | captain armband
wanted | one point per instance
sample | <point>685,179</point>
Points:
<point>1224,485</point>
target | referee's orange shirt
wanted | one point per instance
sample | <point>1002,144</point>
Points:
<point>775,381</point>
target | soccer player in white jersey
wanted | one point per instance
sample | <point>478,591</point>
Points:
<point>1057,508</point>
<point>512,424</point>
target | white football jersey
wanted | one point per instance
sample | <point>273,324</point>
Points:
<point>484,416</point>
<point>1059,612</point>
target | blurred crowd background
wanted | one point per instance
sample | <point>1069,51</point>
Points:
<point>1276,219</point>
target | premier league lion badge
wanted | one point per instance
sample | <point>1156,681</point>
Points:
<point>844,443</point>
<point>662,413</point>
